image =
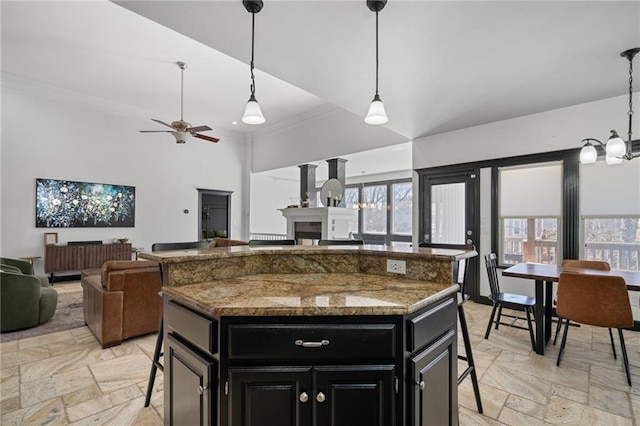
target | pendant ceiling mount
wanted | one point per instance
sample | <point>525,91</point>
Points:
<point>376,5</point>
<point>253,6</point>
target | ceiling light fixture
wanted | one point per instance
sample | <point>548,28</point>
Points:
<point>616,150</point>
<point>376,114</point>
<point>253,114</point>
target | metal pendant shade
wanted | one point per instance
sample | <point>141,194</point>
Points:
<point>376,114</point>
<point>252,112</point>
<point>616,149</point>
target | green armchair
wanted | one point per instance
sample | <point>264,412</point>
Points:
<point>24,302</point>
<point>25,267</point>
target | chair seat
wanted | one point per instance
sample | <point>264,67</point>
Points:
<point>518,299</point>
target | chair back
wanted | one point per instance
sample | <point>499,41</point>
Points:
<point>491,262</point>
<point>340,242</point>
<point>459,267</point>
<point>599,265</point>
<point>24,266</point>
<point>180,246</point>
<point>598,300</point>
<point>257,243</point>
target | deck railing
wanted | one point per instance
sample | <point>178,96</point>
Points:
<point>624,256</point>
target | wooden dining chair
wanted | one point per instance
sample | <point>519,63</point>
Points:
<point>514,301</point>
<point>598,265</point>
<point>596,300</point>
<point>257,243</point>
<point>460,272</point>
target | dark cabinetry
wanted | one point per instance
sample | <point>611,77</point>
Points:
<point>434,375</point>
<point>306,396</point>
<point>316,371</point>
<point>189,378</point>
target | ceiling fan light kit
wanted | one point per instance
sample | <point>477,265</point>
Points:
<point>616,149</point>
<point>182,130</point>
<point>253,113</point>
<point>376,114</point>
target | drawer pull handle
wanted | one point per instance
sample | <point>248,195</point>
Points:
<point>304,397</point>
<point>202,389</point>
<point>421,385</point>
<point>311,344</point>
<point>320,397</point>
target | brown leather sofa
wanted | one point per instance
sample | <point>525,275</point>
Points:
<point>121,301</point>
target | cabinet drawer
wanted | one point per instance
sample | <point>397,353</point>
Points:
<point>311,341</point>
<point>191,326</point>
<point>431,324</point>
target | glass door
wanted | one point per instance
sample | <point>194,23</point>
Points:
<point>448,214</point>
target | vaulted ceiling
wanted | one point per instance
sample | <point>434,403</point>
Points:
<point>444,65</point>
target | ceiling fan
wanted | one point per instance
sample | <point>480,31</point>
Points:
<point>181,129</point>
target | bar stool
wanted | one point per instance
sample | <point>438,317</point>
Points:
<point>460,272</point>
<point>155,363</point>
<point>157,353</point>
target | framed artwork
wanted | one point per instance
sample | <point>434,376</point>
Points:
<point>50,238</point>
<point>70,204</point>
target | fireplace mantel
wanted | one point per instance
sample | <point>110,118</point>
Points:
<point>329,223</point>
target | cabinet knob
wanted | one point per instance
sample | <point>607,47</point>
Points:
<point>202,389</point>
<point>421,384</point>
<point>304,397</point>
<point>320,397</point>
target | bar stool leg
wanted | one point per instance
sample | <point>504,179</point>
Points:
<point>155,365</point>
<point>471,369</point>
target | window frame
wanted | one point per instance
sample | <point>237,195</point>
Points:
<point>388,237</point>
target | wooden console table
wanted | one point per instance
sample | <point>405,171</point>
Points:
<point>79,257</point>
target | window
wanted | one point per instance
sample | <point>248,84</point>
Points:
<point>610,210</point>
<point>386,211</point>
<point>351,200</point>
<point>374,217</point>
<point>402,208</point>
<point>530,206</point>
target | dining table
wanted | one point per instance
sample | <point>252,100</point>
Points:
<point>544,276</point>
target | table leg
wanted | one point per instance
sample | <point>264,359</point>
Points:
<point>548,310</point>
<point>539,318</point>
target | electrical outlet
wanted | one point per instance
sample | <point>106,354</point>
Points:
<point>397,266</point>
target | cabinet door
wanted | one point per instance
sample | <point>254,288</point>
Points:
<point>355,395</point>
<point>191,385</point>
<point>269,396</point>
<point>435,381</point>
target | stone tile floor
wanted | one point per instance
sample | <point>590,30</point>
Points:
<point>66,378</point>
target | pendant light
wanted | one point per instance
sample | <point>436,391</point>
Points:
<point>376,114</point>
<point>616,149</point>
<point>253,113</point>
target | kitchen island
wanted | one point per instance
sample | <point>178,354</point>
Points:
<point>305,335</point>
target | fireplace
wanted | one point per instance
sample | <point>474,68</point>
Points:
<point>321,223</point>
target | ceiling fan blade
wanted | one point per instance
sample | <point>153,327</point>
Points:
<point>206,138</point>
<point>162,122</point>
<point>199,129</point>
<point>155,131</point>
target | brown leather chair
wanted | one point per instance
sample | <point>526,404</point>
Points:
<point>122,301</point>
<point>598,265</point>
<point>597,300</point>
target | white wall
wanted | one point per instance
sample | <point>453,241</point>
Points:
<point>548,131</point>
<point>47,137</point>
<point>268,194</point>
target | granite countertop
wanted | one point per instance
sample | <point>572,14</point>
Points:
<point>178,256</point>
<point>331,294</point>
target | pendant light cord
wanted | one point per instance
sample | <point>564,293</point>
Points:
<point>253,30</point>
<point>630,101</point>
<point>376,53</point>
<point>181,94</point>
